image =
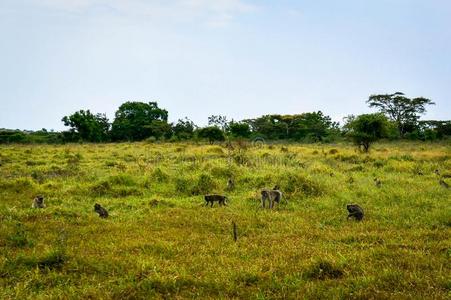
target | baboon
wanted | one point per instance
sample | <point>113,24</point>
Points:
<point>222,200</point>
<point>272,196</point>
<point>38,202</point>
<point>103,213</point>
<point>230,184</point>
<point>377,182</point>
<point>444,184</point>
<point>355,211</point>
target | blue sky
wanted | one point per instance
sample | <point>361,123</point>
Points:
<point>239,58</point>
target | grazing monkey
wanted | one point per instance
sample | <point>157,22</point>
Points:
<point>230,184</point>
<point>355,211</point>
<point>38,202</point>
<point>272,196</point>
<point>103,213</point>
<point>222,200</point>
<point>444,184</point>
<point>377,182</point>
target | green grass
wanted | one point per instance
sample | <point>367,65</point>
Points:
<point>175,247</point>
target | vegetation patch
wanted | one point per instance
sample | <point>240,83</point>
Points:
<point>323,270</point>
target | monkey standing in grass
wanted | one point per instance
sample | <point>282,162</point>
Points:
<point>222,200</point>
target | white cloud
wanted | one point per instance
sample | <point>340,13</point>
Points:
<point>211,12</point>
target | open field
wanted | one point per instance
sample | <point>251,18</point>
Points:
<point>176,248</point>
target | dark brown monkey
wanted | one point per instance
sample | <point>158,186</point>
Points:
<point>355,211</point>
<point>103,213</point>
<point>222,200</point>
<point>38,202</point>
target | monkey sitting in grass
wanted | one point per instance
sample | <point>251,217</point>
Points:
<point>103,213</point>
<point>355,212</point>
<point>38,202</point>
<point>222,200</point>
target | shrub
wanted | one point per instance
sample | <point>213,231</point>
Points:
<point>295,183</point>
<point>205,184</point>
<point>159,176</point>
<point>333,151</point>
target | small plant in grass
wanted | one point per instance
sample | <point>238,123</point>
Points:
<point>19,238</point>
<point>323,270</point>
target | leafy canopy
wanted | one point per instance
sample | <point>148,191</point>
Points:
<point>400,109</point>
<point>136,121</point>
<point>212,133</point>
<point>366,129</point>
<point>87,127</point>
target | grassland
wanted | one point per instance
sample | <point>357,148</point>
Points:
<point>176,248</point>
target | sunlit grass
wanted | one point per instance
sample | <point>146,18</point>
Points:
<point>175,247</point>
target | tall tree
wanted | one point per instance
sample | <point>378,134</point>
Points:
<point>404,111</point>
<point>239,129</point>
<point>86,126</point>
<point>136,121</point>
<point>367,129</point>
<point>212,133</point>
<point>218,121</point>
<point>184,129</point>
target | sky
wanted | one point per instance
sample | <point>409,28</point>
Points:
<point>239,58</point>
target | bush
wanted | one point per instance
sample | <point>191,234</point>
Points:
<point>204,185</point>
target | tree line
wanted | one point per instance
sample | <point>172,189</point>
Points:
<point>397,117</point>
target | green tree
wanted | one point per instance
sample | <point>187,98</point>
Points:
<point>218,121</point>
<point>313,126</point>
<point>159,129</point>
<point>403,111</point>
<point>135,121</point>
<point>239,129</point>
<point>367,129</point>
<point>184,129</point>
<point>87,127</point>
<point>212,133</point>
<point>272,127</point>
